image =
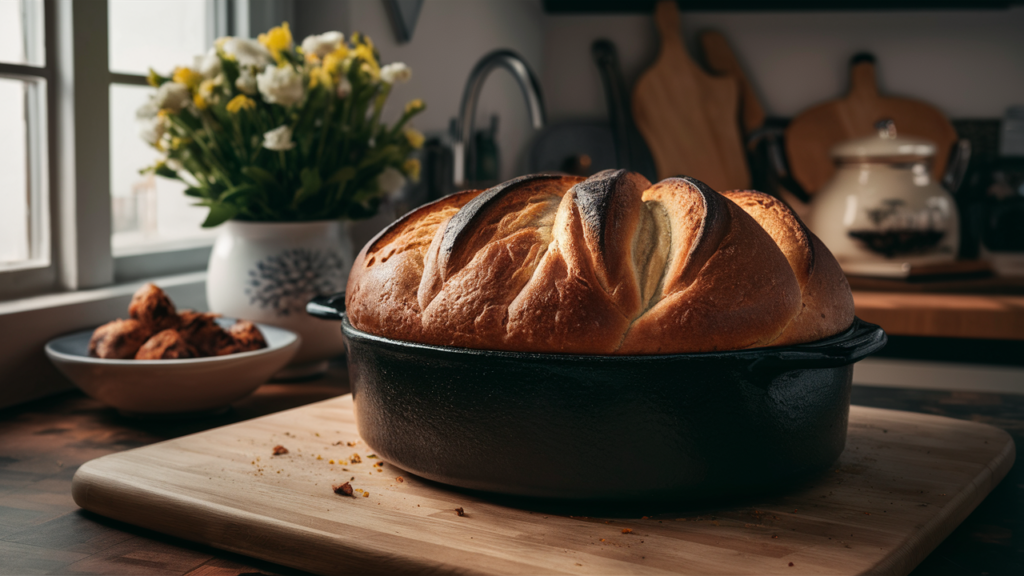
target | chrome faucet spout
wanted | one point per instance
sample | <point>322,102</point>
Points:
<point>463,151</point>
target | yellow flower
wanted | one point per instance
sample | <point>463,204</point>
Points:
<point>188,77</point>
<point>277,40</point>
<point>334,59</point>
<point>153,79</point>
<point>411,167</point>
<point>175,142</point>
<point>414,106</point>
<point>200,101</point>
<point>371,71</point>
<point>241,102</point>
<point>371,67</point>
<point>163,113</point>
<point>206,87</point>
<point>363,39</point>
<point>318,76</point>
<point>415,138</point>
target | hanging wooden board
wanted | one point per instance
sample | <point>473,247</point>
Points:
<point>689,118</point>
<point>903,484</point>
<point>811,135</point>
<point>720,59</point>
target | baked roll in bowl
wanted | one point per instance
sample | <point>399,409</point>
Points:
<point>602,339</point>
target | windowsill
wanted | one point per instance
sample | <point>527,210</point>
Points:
<point>27,324</point>
<point>142,247</point>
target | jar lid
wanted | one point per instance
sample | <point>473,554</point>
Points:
<point>885,146</point>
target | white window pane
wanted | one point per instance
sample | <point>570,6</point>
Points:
<point>156,34</point>
<point>14,192</point>
<point>149,212</point>
<point>21,32</point>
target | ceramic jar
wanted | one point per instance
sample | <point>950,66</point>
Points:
<point>882,206</point>
<point>268,271</point>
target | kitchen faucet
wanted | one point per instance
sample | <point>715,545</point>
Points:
<point>463,155</point>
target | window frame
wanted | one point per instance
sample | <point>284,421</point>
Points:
<point>71,224</point>
<point>39,272</point>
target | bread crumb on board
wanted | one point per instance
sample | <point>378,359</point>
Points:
<point>279,450</point>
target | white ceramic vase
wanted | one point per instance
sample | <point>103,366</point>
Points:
<point>268,271</point>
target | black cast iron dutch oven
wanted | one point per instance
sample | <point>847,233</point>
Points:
<point>676,427</point>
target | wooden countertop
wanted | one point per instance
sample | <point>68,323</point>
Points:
<point>42,444</point>
<point>988,316</point>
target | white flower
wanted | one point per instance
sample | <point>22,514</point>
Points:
<point>390,180</point>
<point>280,85</point>
<point>174,164</point>
<point>344,87</point>
<point>152,129</point>
<point>173,95</point>
<point>279,139</point>
<point>395,72</point>
<point>208,65</point>
<point>147,111</point>
<point>323,44</point>
<point>247,52</point>
<point>246,82</point>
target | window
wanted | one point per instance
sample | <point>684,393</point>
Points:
<point>25,73</point>
<point>74,211</point>
<point>150,213</point>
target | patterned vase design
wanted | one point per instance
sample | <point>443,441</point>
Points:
<point>267,271</point>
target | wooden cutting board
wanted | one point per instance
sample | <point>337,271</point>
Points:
<point>902,485</point>
<point>689,118</point>
<point>811,135</point>
<point>720,59</point>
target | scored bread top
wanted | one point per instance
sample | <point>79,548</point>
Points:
<point>605,265</point>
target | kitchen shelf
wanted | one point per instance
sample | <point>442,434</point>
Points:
<point>986,316</point>
<point>647,6</point>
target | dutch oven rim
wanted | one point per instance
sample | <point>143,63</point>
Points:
<point>845,348</point>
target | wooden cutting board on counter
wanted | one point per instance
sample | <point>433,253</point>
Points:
<point>689,118</point>
<point>720,59</point>
<point>813,133</point>
<point>903,484</point>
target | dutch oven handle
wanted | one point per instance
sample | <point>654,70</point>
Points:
<point>327,307</point>
<point>855,344</point>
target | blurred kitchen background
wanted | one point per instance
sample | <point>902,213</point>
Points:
<point>79,224</point>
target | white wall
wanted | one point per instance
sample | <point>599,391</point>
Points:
<point>968,63</point>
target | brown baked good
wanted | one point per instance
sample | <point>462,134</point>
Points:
<point>827,303</point>
<point>245,336</point>
<point>119,339</point>
<point>606,265</point>
<point>151,306</point>
<point>166,345</point>
<point>200,329</point>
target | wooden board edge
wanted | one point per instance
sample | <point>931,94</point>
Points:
<point>290,543</point>
<point>920,544</point>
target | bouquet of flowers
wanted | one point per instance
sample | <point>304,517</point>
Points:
<point>263,130</point>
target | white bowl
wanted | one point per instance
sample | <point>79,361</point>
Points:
<point>172,386</point>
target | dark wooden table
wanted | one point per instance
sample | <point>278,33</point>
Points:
<point>42,531</point>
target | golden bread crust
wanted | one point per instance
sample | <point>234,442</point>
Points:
<point>827,303</point>
<point>604,265</point>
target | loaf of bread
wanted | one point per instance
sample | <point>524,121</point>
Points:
<point>609,264</point>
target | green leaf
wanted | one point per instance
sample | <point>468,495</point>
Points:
<point>343,175</point>
<point>195,192</point>
<point>262,177</point>
<point>219,213</point>
<point>234,193</point>
<point>310,185</point>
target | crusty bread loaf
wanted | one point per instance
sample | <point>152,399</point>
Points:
<point>605,265</point>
